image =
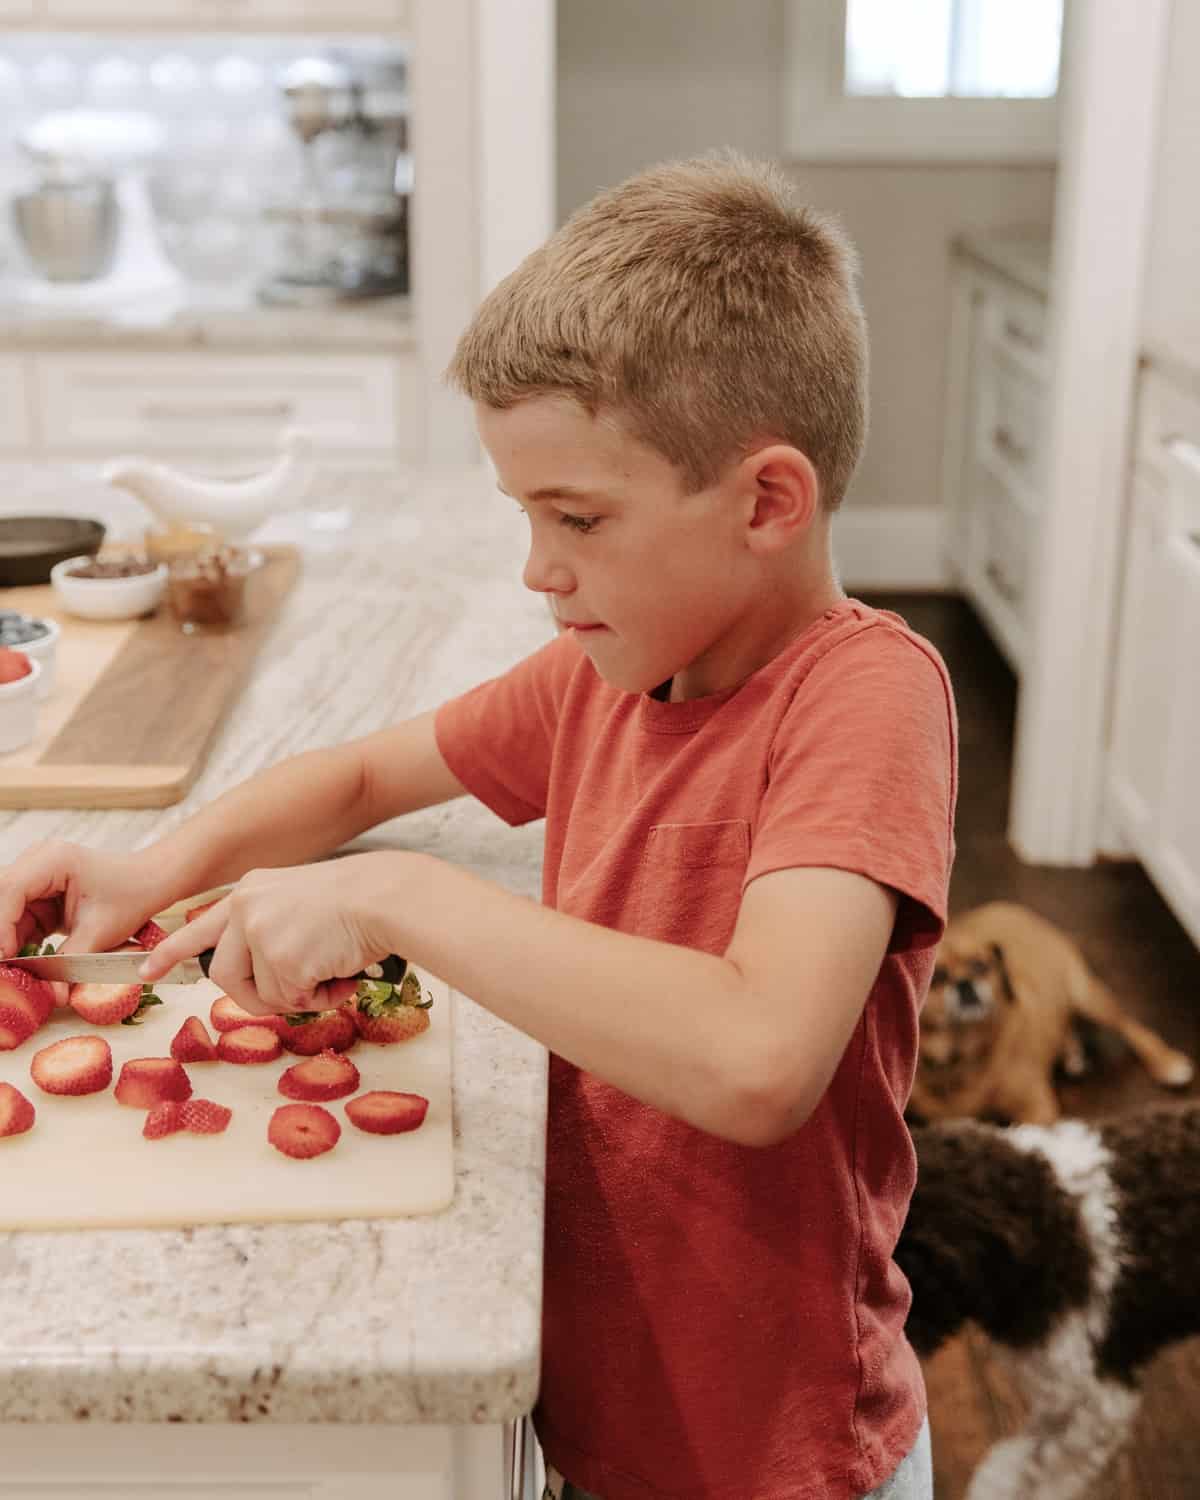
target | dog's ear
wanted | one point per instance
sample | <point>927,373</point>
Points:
<point>1002,969</point>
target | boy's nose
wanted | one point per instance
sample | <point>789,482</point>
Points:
<point>544,574</point>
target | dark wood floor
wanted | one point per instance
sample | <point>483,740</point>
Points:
<point>1134,943</point>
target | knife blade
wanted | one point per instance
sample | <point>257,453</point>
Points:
<point>122,968</point>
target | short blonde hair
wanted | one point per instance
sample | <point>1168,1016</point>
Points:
<point>701,305</point>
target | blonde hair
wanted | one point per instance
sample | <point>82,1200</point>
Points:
<point>700,304</point>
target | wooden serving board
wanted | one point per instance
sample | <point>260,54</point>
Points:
<point>86,1165</point>
<point>136,703</point>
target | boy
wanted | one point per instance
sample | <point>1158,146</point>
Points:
<point>748,783</point>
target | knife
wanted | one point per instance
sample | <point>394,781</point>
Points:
<point>122,968</point>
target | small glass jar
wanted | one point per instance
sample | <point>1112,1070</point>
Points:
<point>186,539</point>
<point>207,590</point>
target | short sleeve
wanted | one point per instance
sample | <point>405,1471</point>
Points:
<point>862,776</point>
<point>498,738</point>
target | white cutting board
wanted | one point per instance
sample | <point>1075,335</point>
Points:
<point>86,1165</point>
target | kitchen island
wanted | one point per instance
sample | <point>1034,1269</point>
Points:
<point>352,1359</point>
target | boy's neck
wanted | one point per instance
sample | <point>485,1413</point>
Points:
<point>767,633</point>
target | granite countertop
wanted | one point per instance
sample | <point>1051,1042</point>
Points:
<point>431,1319</point>
<point>1023,255</point>
<point>381,325</point>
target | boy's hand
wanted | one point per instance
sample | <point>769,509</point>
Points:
<point>98,900</point>
<point>284,939</point>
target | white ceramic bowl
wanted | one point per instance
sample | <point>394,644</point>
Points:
<point>44,650</point>
<point>107,598</point>
<point>18,708</point>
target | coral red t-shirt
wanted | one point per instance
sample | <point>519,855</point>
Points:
<point>723,1322</point>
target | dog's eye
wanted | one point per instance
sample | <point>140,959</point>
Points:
<point>939,976</point>
<point>977,967</point>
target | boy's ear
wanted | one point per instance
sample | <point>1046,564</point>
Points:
<point>786,493</point>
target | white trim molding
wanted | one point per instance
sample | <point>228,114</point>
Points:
<point>1111,98</point>
<point>820,122</point>
<point>891,547</point>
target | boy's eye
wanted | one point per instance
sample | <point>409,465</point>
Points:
<point>578,523</point>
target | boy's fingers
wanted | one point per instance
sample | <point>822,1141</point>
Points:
<point>192,938</point>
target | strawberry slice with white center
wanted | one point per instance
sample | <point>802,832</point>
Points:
<point>17,1114</point>
<point>205,1116</point>
<point>146,1081</point>
<point>192,1044</point>
<point>329,1075</point>
<point>76,1065</point>
<point>248,1044</point>
<point>303,1130</point>
<point>387,1112</point>
<point>227,1015</point>
<point>329,1030</point>
<point>104,1004</point>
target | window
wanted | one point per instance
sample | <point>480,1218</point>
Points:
<point>964,80</point>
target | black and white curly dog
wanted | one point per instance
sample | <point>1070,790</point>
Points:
<point>1075,1247</point>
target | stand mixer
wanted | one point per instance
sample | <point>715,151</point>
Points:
<point>347,226</point>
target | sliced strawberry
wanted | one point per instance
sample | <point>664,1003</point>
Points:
<point>386,1112</point>
<point>164,1118</point>
<point>249,1044</point>
<point>17,1025</point>
<point>76,1065</point>
<point>228,1015</point>
<point>329,1075</point>
<point>303,1130</point>
<point>146,1081</point>
<point>23,994</point>
<point>204,1117</point>
<point>192,1044</point>
<point>398,1026</point>
<point>104,1004</point>
<point>148,935</point>
<point>16,1113</point>
<point>329,1031</point>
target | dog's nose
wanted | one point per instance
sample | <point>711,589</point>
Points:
<point>969,997</point>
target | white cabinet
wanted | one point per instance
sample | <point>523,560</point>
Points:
<point>1172,307</point>
<point>1154,744</point>
<point>277,14</point>
<point>96,404</point>
<point>17,10</point>
<point>262,1461</point>
<point>996,393</point>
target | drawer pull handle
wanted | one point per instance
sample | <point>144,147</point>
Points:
<point>1007,444</point>
<point>1019,335</point>
<point>162,411</point>
<point>995,575</point>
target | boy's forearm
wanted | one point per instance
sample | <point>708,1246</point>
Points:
<point>300,809</point>
<point>667,1024</point>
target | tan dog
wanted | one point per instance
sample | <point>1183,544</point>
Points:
<point>999,1016</point>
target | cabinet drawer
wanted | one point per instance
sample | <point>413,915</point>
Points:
<point>14,404</point>
<point>1009,418</point>
<point>1165,414</point>
<point>1017,324</point>
<point>1005,545</point>
<point>171,403</point>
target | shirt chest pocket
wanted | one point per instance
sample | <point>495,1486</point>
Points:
<point>690,882</point>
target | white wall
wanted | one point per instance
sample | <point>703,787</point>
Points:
<point>638,82</point>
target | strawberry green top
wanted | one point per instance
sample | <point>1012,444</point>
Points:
<point>722,1321</point>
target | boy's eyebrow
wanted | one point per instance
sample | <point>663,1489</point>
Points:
<point>553,492</point>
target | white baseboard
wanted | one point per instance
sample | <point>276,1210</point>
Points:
<point>891,547</point>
